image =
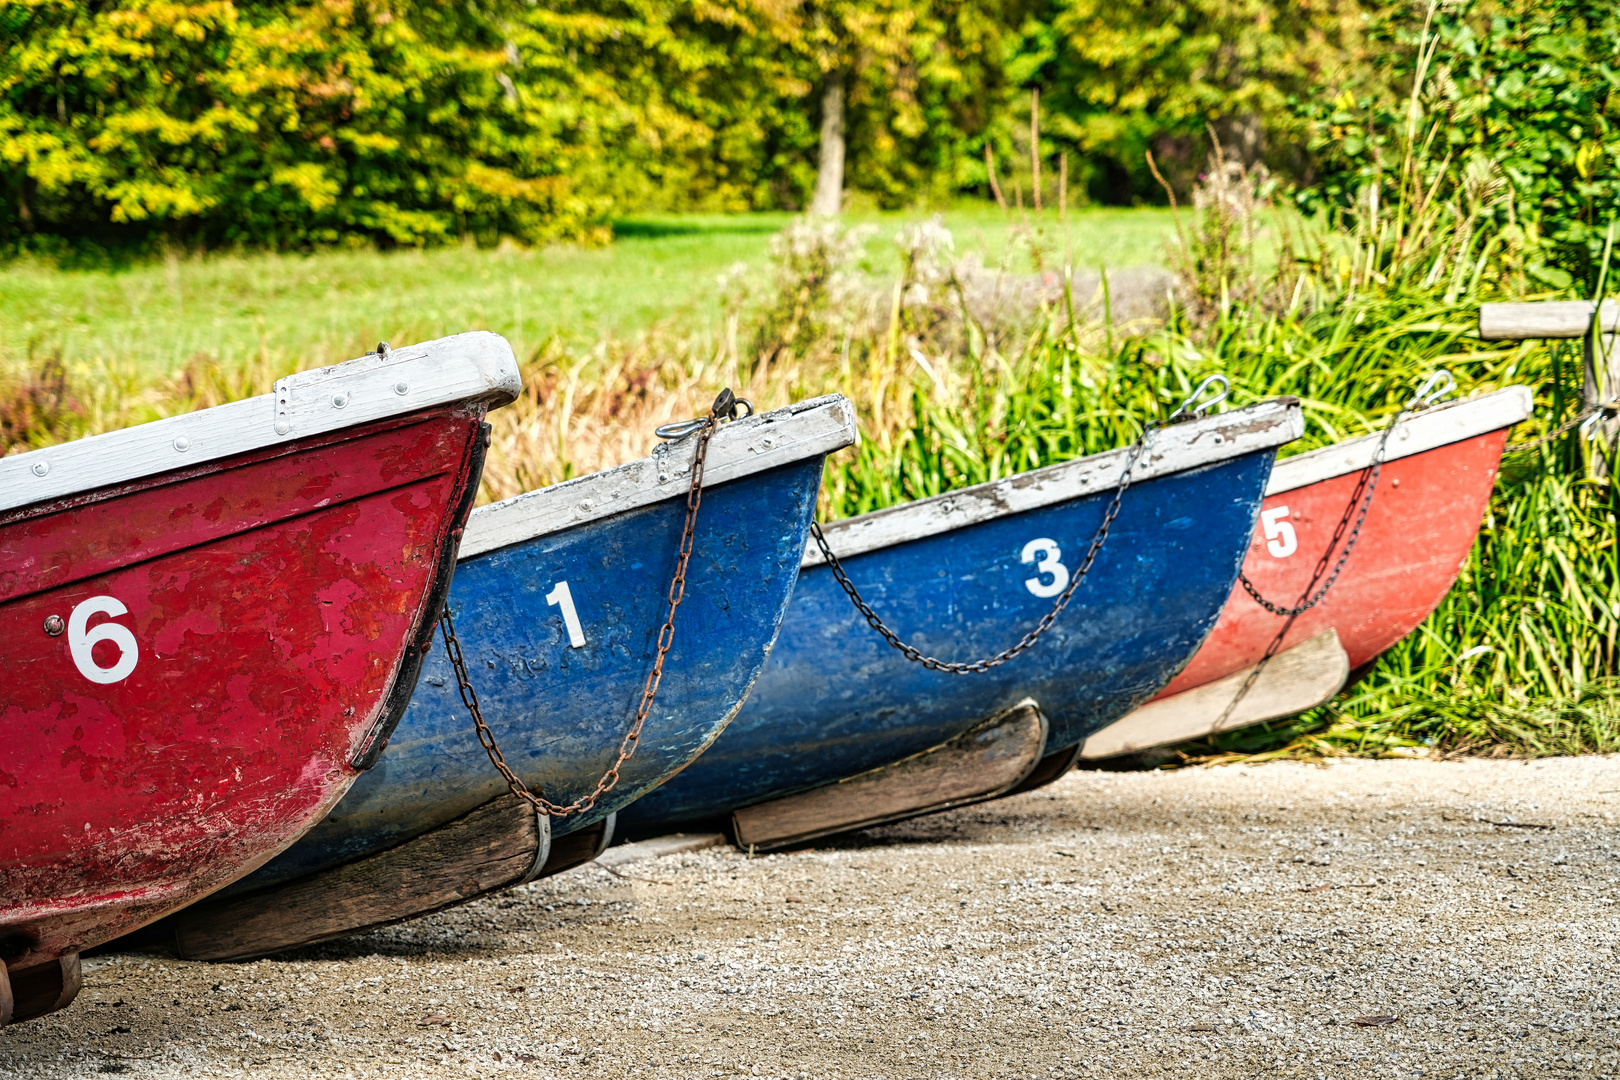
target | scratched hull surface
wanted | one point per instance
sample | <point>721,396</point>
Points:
<point>559,712</point>
<point>835,700</point>
<point>1420,528</point>
<point>254,615</point>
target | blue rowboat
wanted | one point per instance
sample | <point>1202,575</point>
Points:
<point>558,598</point>
<point>961,576</point>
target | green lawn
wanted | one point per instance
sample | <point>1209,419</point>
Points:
<point>304,310</point>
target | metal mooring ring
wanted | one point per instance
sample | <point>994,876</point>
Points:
<point>1198,411</point>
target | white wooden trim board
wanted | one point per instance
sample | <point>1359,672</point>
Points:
<point>1437,426</point>
<point>740,448</point>
<point>1175,449</point>
<point>466,367</point>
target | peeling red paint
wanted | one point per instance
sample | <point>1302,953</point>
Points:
<point>1424,516</point>
<point>271,598</point>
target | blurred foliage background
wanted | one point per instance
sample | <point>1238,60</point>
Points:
<point>132,124</point>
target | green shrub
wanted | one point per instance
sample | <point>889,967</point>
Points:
<point>1516,93</point>
<point>289,124</point>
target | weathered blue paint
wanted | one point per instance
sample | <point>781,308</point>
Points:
<point>835,700</point>
<point>559,712</point>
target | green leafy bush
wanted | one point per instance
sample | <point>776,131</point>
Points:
<point>1515,93</point>
<point>288,124</point>
<point>279,124</point>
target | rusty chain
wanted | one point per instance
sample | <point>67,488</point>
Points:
<point>724,408</point>
<point>1607,409</point>
<point>916,655</point>
<point>1437,386</point>
<point>1190,408</point>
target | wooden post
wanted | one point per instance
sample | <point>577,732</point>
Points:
<point>1600,381</point>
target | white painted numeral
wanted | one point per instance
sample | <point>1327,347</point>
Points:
<point>82,641</point>
<point>560,596</point>
<point>1280,538</point>
<point>1045,555</point>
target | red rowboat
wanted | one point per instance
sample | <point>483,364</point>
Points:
<point>208,627</point>
<point>1425,512</point>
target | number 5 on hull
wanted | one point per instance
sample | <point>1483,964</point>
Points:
<point>1439,468</point>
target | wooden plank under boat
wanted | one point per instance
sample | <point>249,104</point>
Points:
<point>211,625</point>
<point>1293,680</point>
<point>983,762</point>
<point>558,599</point>
<point>963,575</point>
<point>1439,467</point>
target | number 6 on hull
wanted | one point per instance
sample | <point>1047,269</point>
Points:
<point>208,627</point>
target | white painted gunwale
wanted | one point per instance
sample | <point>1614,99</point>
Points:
<point>740,448</point>
<point>1176,448</point>
<point>1437,426</point>
<point>474,367</point>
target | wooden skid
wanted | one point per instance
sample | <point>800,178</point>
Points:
<point>501,843</point>
<point>981,763</point>
<point>1292,681</point>
<point>578,848</point>
<point>43,988</point>
<point>1052,767</point>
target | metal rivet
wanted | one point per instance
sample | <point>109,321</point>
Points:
<point>585,505</point>
<point>282,427</point>
<point>339,400</point>
<point>41,468</point>
<point>383,350</point>
<point>54,625</point>
<point>1219,438</point>
<point>402,388</point>
<point>181,443</point>
<point>767,442</point>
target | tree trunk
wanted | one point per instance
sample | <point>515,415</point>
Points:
<point>829,197</point>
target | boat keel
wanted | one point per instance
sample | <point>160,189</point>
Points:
<point>578,848</point>
<point>1049,769</point>
<point>1294,680</point>
<point>40,989</point>
<point>987,760</point>
<point>502,843</point>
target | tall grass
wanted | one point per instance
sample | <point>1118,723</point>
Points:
<point>967,368</point>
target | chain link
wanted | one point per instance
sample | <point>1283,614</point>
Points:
<point>1607,408</point>
<point>1362,496</point>
<point>725,407</point>
<point>1438,385</point>
<point>916,655</point>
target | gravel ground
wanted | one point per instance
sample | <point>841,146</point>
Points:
<point>1393,918</point>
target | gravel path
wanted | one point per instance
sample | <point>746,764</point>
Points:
<point>1365,919</point>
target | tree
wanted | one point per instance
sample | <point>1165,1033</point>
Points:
<point>1119,79</point>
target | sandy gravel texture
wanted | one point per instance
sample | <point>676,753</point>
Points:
<point>1231,922</point>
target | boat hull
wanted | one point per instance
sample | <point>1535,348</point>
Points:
<point>835,700</point>
<point>558,711</point>
<point>231,645</point>
<point>1419,530</point>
